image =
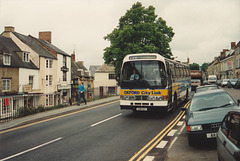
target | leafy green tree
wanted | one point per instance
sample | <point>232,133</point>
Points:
<point>204,67</point>
<point>139,31</point>
<point>194,66</point>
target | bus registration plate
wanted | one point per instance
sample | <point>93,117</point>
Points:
<point>141,109</point>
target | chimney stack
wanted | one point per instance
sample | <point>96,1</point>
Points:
<point>222,54</point>
<point>233,44</point>
<point>46,35</point>
<point>9,29</point>
<point>73,56</point>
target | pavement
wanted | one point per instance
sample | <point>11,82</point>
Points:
<point>53,113</point>
<point>181,151</point>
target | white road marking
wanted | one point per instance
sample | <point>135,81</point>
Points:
<point>182,129</point>
<point>172,142</point>
<point>172,132</point>
<point>148,158</point>
<point>183,117</point>
<point>162,144</point>
<point>180,123</point>
<point>34,148</point>
<point>105,120</point>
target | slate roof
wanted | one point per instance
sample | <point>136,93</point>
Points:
<point>75,66</point>
<point>34,45</point>
<point>52,47</point>
<point>93,69</point>
<point>105,68</point>
<point>7,45</point>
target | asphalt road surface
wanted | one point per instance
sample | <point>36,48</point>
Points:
<point>99,133</point>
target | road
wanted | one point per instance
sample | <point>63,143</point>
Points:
<point>99,133</point>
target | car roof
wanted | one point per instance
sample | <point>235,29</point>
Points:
<point>214,91</point>
<point>211,85</point>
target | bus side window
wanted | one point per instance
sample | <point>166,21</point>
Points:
<point>172,70</point>
<point>176,70</point>
<point>185,71</point>
<point>181,71</point>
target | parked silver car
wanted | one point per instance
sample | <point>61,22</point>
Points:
<point>228,137</point>
<point>224,82</point>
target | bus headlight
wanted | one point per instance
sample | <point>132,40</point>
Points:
<point>151,98</point>
<point>154,98</point>
<point>127,97</point>
<point>131,98</point>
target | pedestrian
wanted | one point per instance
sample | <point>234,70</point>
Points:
<point>70,101</point>
<point>81,91</point>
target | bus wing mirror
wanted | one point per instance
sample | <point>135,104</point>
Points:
<point>183,108</point>
<point>118,78</point>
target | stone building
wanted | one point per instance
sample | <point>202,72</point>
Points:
<point>80,72</point>
<point>227,64</point>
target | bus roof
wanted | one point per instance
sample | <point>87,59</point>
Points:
<point>150,56</point>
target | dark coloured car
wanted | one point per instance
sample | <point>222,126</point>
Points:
<point>206,87</point>
<point>237,84</point>
<point>228,137</point>
<point>205,114</point>
<point>231,83</point>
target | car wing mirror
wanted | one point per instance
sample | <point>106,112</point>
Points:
<point>238,102</point>
<point>237,155</point>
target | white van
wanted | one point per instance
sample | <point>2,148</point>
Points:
<point>212,79</point>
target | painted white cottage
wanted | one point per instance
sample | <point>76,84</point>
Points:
<point>105,82</point>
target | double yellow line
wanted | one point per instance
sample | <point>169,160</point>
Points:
<point>153,143</point>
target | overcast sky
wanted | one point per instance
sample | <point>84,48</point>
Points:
<point>202,27</point>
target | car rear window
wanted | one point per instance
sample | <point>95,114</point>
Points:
<point>211,100</point>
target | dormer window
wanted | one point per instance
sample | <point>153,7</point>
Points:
<point>6,59</point>
<point>25,57</point>
<point>80,71</point>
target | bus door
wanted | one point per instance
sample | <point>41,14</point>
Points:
<point>169,79</point>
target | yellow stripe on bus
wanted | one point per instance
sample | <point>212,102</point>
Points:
<point>144,92</point>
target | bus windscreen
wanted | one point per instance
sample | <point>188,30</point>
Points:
<point>144,74</point>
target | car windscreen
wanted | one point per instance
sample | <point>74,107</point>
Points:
<point>143,74</point>
<point>212,78</point>
<point>212,100</point>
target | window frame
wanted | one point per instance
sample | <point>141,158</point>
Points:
<point>50,80</point>
<point>64,76</point>
<point>25,57</point>
<point>111,76</point>
<point>6,59</point>
<point>31,81</point>
<point>6,85</point>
